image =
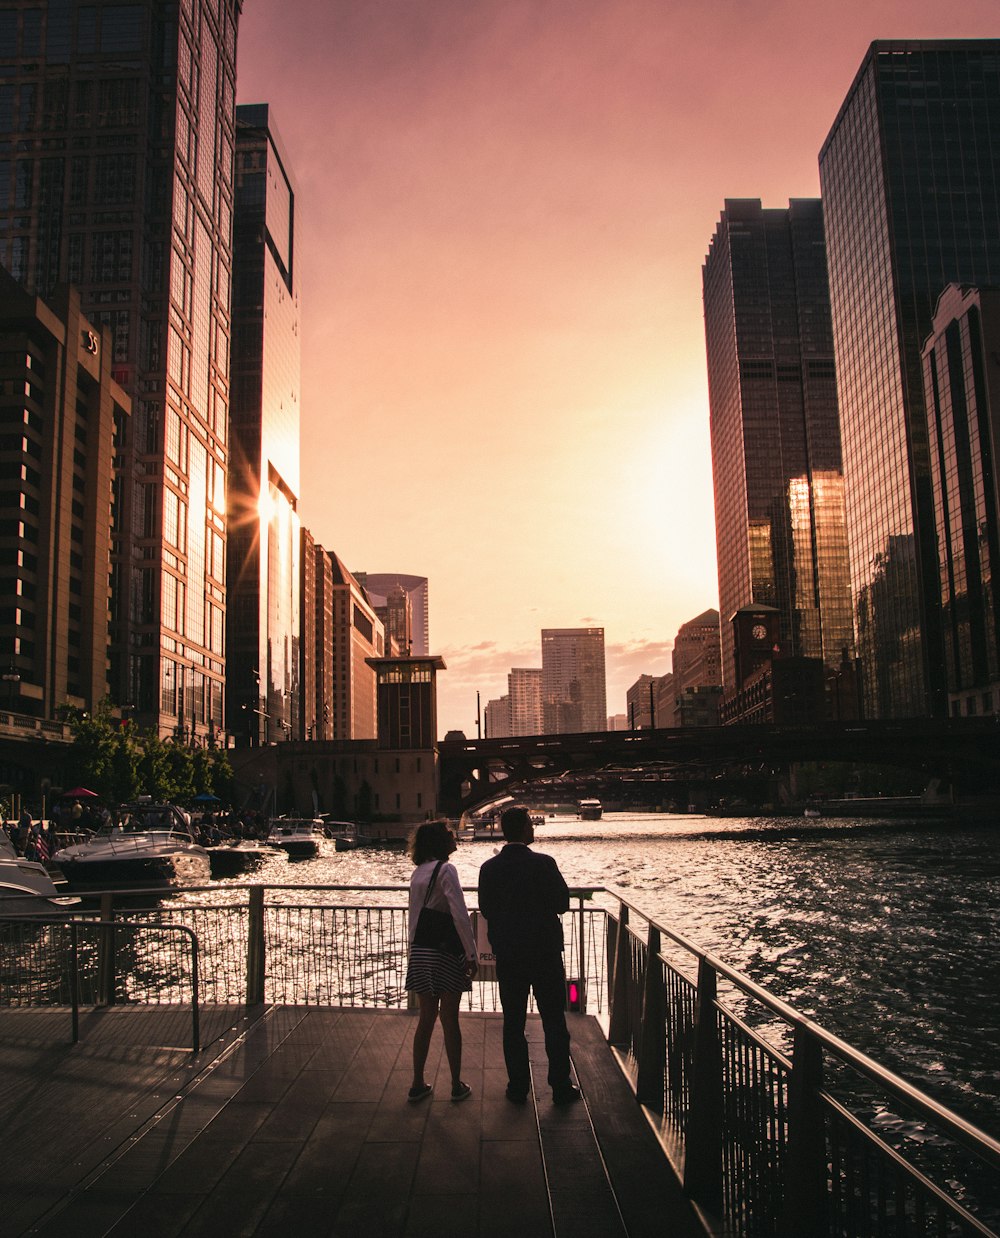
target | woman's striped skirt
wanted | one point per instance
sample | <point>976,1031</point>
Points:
<point>433,971</point>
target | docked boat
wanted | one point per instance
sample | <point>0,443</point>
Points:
<point>299,837</point>
<point>26,887</point>
<point>590,810</point>
<point>343,833</point>
<point>233,859</point>
<point>152,844</point>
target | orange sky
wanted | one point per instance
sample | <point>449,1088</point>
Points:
<point>503,210</point>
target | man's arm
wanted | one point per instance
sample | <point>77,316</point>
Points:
<point>556,889</point>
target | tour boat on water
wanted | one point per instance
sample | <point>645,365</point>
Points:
<point>590,810</point>
<point>26,887</point>
<point>152,844</point>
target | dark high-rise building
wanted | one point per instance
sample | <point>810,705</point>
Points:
<point>62,415</point>
<point>117,129</point>
<point>912,203</point>
<point>775,437</point>
<point>263,574</point>
<point>962,396</point>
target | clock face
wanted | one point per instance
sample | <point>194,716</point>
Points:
<point>758,632</point>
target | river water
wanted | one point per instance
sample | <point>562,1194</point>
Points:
<point>885,932</point>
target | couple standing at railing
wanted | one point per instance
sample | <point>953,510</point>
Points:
<point>521,896</point>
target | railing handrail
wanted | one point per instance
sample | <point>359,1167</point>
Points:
<point>73,922</point>
<point>966,1133</point>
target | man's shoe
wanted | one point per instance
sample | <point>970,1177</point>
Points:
<point>516,1097</point>
<point>460,1091</point>
<point>568,1095</point>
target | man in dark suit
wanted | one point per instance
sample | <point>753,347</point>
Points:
<point>522,895</point>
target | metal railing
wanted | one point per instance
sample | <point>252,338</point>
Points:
<point>775,1126</point>
<point>94,962</point>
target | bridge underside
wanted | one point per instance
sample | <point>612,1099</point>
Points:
<point>661,767</point>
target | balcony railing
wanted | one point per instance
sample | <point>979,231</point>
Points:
<point>775,1126</point>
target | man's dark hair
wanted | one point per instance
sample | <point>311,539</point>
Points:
<point>431,841</point>
<point>515,823</point>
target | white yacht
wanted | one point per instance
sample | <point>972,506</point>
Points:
<point>152,844</point>
<point>26,888</point>
<point>299,836</point>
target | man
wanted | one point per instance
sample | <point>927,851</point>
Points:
<point>522,895</point>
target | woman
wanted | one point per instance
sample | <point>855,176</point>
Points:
<point>437,976</point>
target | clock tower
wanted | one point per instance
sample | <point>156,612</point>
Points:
<point>755,640</point>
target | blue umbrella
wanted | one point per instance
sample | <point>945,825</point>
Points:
<point>205,798</point>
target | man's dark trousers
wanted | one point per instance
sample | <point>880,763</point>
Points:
<point>547,978</point>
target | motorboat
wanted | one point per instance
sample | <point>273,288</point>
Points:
<point>151,844</point>
<point>300,837</point>
<point>343,833</point>
<point>590,810</point>
<point>238,856</point>
<point>26,886</point>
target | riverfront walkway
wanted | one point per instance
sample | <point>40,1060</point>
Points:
<point>293,1120</point>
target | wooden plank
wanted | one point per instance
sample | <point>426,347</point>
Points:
<point>648,1193</point>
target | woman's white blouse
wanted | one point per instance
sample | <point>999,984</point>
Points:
<point>446,896</point>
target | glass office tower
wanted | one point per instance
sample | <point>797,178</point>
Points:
<point>776,465</point>
<point>912,203</point>
<point>116,158</point>
<point>962,400</point>
<point>263,689</point>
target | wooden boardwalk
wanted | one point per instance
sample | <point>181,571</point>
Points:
<point>294,1120</point>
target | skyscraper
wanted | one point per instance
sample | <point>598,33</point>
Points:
<point>117,124</point>
<point>775,439</point>
<point>63,414</point>
<point>912,203</point>
<point>574,688</point>
<point>524,690</point>
<point>263,575</point>
<point>962,397</point>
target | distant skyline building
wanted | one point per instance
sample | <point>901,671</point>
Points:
<point>379,586</point>
<point>911,196</point>
<point>118,123</point>
<point>640,703</point>
<point>962,400</point>
<point>780,529</point>
<point>496,719</point>
<point>264,572</point>
<point>63,414</point>
<point>697,671</point>
<point>574,686</point>
<point>524,692</point>
<point>358,637</point>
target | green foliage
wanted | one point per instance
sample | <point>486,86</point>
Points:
<point>121,763</point>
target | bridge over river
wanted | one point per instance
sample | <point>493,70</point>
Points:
<point>962,751</point>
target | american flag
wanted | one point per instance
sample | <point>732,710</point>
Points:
<point>41,846</point>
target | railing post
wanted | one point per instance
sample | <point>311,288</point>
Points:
<point>106,979</point>
<point>255,947</point>
<point>804,1210</point>
<point>195,996</point>
<point>582,960</point>
<point>703,1140</point>
<point>618,1000</point>
<point>650,1076</point>
<point>74,979</point>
